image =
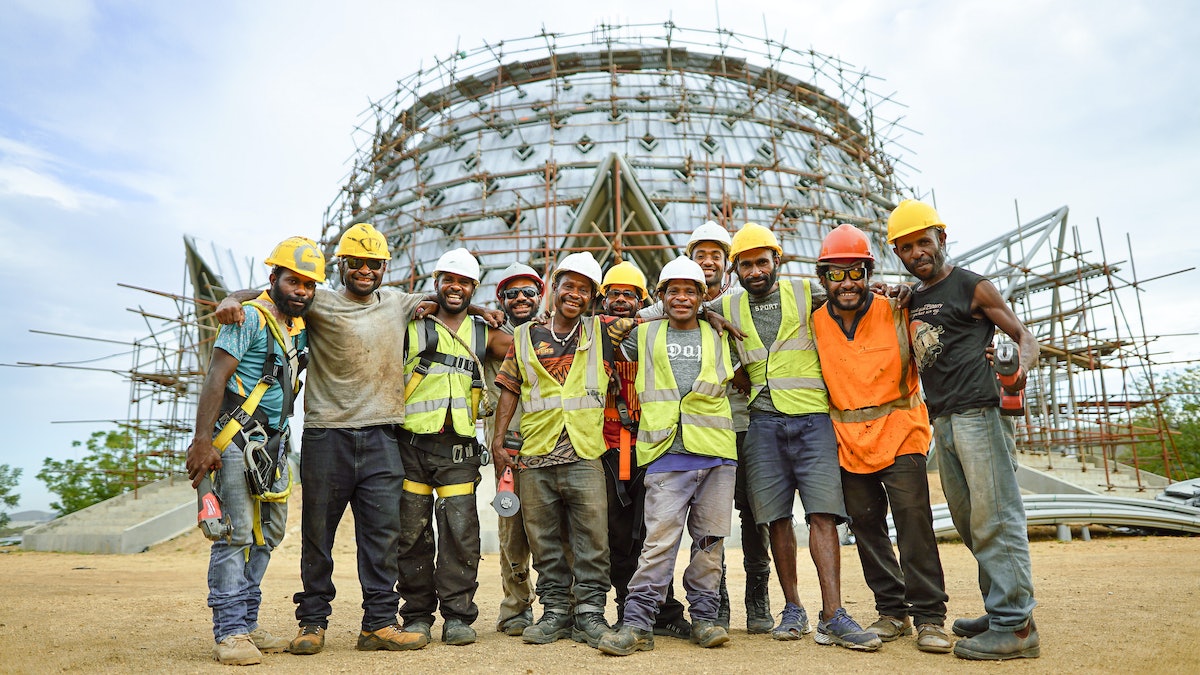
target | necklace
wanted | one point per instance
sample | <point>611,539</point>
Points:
<point>566,338</point>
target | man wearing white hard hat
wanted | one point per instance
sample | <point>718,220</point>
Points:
<point>687,444</point>
<point>443,389</point>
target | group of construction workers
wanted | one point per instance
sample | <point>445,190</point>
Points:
<point>624,416</point>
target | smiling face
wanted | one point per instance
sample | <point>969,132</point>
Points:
<point>758,270</point>
<point>846,294</point>
<point>573,294</point>
<point>923,253</point>
<point>454,292</point>
<point>292,293</point>
<point>361,281</point>
<point>523,306</point>
<point>711,258</point>
<point>681,300</point>
<point>622,300</point>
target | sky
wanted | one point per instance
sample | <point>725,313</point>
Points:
<point>126,125</point>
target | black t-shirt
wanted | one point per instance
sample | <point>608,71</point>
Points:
<point>949,345</point>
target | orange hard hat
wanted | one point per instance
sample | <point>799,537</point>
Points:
<point>846,242</point>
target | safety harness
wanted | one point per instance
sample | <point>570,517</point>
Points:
<point>264,448</point>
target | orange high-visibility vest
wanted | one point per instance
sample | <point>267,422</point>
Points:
<point>874,388</point>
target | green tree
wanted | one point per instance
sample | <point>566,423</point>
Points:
<point>1181,412</point>
<point>8,499</point>
<point>112,467</point>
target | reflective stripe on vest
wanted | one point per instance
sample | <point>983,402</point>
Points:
<point>577,404</point>
<point>905,401</point>
<point>703,415</point>
<point>444,388</point>
<point>790,367</point>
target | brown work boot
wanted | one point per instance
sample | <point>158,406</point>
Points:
<point>310,640</point>
<point>932,638</point>
<point>267,643</point>
<point>391,638</point>
<point>994,645</point>
<point>237,650</point>
<point>889,628</point>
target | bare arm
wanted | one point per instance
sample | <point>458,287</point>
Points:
<point>504,414</point>
<point>202,457</point>
<point>988,303</point>
<point>230,309</point>
<point>498,344</point>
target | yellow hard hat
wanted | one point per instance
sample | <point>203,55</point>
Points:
<point>363,241</point>
<point>753,236</point>
<point>300,255</point>
<point>624,273</point>
<point>911,216</point>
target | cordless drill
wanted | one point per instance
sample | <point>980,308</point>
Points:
<point>212,521</point>
<point>1007,363</point>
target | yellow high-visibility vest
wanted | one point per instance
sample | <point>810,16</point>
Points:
<point>790,366</point>
<point>444,387</point>
<point>703,416</point>
<point>577,404</point>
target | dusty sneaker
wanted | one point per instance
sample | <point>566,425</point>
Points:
<point>843,631</point>
<point>456,632</point>
<point>708,634</point>
<point>589,628</point>
<point>793,623</point>
<point>516,625</point>
<point>932,638</point>
<point>626,641</point>
<point>551,627</point>
<point>237,650</point>
<point>889,628</point>
<point>310,640</point>
<point>389,638</point>
<point>267,643</point>
<point>994,645</point>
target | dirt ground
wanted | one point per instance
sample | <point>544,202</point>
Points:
<point>1118,603</point>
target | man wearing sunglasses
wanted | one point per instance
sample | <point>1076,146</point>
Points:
<point>790,446</point>
<point>519,292</point>
<point>623,292</point>
<point>883,434</point>
<point>350,454</point>
<point>953,316</point>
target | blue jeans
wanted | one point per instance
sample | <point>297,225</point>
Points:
<point>360,468</point>
<point>977,463</point>
<point>236,568</point>
<point>703,499</point>
<point>571,496</point>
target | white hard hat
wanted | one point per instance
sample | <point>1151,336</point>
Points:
<point>681,268</point>
<point>458,261</point>
<point>709,231</point>
<point>580,263</point>
<point>518,271</point>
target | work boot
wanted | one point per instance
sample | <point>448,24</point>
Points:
<point>420,627</point>
<point>708,634</point>
<point>626,641</point>
<point>267,643</point>
<point>679,628</point>
<point>889,628</point>
<point>516,625</point>
<point>390,638</point>
<point>994,645</point>
<point>456,632</point>
<point>971,627</point>
<point>758,604</point>
<point>842,630</point>
<point>551,627</point>
<point>237,650</point>
<point>310,640</point>
<point>589,628</point>
<point>932,638</point>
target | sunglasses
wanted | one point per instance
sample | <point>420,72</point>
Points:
<point>371,263</point>
<point>856,274</point>
<point>514,293</point>
<point>614,294</point>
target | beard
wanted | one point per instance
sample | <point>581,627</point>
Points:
<point>935,260</point>
<point>852,305</point>
<point>287,304</point>
<point>756,288</point>
<point>445,306</point>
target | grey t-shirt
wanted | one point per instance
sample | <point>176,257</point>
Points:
<point>491,366</point>
<point>683,353</point>
<point>356,359</point>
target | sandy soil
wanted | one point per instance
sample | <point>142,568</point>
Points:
<point>1114,604</point>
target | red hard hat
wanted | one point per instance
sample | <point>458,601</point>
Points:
<point>846,242</point>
